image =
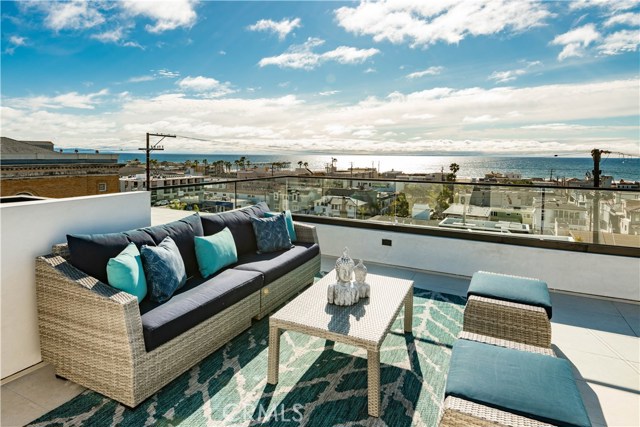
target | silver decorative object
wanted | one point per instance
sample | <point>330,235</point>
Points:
<point>344,267</point>
<point>360,272</point>
<point>343,292</point>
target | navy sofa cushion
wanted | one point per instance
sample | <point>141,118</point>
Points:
<point>528,384</point>
<point>239,224</point>
<point>274,265</point>
<point>91,252</point>
<point>510,288</point>
<point>271,233</point>
<point>199,300</point>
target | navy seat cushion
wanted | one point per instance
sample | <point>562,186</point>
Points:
<point>239,224</point>
<point>194,303</point>
<point>513,289</point>
<point>274,265</point>
<point>532,385</point>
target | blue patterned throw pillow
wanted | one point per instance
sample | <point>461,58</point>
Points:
<point>290,227</point>
<point>271,233</point>
<point>164,269</point>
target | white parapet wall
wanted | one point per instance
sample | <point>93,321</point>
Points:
<point>586,273</point>
<point>29,229</point>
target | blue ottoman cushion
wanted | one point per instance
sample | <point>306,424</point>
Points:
<point>532,385</point>
<point>510,288</point>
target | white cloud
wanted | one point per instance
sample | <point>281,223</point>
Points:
<point>619,42</point>
<point>328,92</point>
<point>608,5</point>
<point>302,56</point>
<point>168,74</point>
<point>222,52</point>
<point>576,40</point>
<point>168,15</point>
<point>65,100</point>
<point>431,71</point>
<point>15,42</point>
<point>632,19</point>
<point>370,70</point>
<point>485,118</point>
<point>424,23</point>
<point>504,120</point>
<point>207,86</point>
<point>506,76</point>
<point>281,28</point>
<point>510,75</point>
<point>140,79</point>
<point>74,15</point>
<point>18,40</point>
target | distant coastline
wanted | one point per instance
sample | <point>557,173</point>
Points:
<point>627,169</point>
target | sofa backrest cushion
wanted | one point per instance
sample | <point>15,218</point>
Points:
<point>91,252</point>
<point>183,233</point>
<point>238,223</point>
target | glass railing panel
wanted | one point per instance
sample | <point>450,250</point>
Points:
<point>581,215</point>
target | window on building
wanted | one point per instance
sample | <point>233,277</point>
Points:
<point>102,187</point>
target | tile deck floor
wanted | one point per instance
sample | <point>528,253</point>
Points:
<point>599,337</point>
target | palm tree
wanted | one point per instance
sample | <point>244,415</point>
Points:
<point>237,163</point>
<point>195,165</point>
<point>306,165</point>
<point>454,168</point>
<point>228,166</point>
<point>205,162</point>
<point>248,163</point>
<point>300,164</point>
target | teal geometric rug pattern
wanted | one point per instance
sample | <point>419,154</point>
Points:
<point>320,384</point>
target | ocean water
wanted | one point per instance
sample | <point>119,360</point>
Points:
<point>470,166</point>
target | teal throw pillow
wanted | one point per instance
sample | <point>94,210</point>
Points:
<point>164,269</point>
<point>271,233</point>
<point>125,272</point>
<point>215,252</point>
<point>289,219</point>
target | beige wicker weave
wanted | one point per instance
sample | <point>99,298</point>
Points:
<point>507,320</point>
<point>364,324</point>
<point>463,413</point>
<point>92,334</point>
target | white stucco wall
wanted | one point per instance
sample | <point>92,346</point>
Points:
<point>29,229</point>
<point>604,275</point>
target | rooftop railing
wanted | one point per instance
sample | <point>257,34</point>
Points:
<point>569,218</point>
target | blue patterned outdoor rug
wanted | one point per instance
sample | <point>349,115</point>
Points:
<point>320,384</point>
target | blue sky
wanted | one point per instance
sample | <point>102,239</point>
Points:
<point>503,77</point>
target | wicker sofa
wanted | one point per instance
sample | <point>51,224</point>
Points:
<point>104,339</point>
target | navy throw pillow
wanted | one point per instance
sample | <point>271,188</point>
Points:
<point>271,233</point>
<point>164,269</point>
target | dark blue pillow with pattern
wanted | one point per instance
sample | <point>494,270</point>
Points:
<point>271,233</point>
<point>163,269</point>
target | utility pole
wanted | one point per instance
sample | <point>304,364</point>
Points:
<point>155,147</point>
<point>597,155</point>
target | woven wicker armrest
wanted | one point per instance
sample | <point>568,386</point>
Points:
<point>306,233</point>
<point>90,332</point>
<point>504,343</point>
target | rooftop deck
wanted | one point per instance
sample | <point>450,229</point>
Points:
<point>598,336</point>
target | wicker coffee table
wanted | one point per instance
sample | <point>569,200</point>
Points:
<point>364,325</point>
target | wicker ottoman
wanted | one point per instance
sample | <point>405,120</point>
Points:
<point>463,411</point>
<point>510,308</point>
